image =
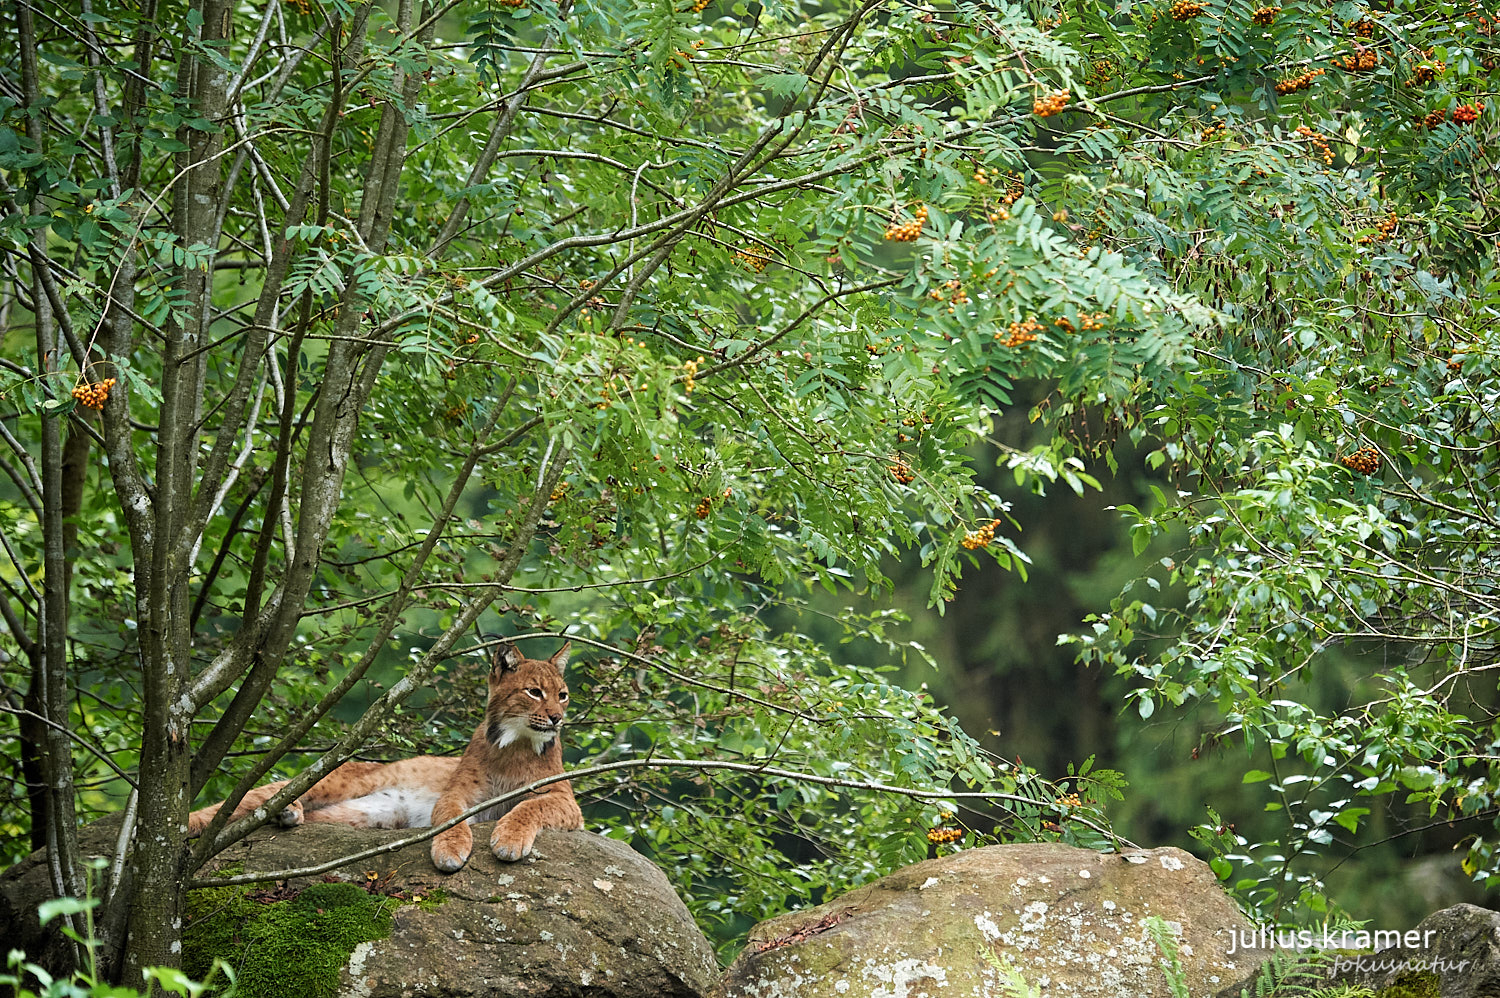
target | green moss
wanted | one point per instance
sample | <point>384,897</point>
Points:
<point>290,947</point>
<point>1413,984</point>
<point>430,900</point>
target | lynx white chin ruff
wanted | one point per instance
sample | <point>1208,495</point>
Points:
<point>515,729</point>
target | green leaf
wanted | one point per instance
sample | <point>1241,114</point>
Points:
<point>55,907</point>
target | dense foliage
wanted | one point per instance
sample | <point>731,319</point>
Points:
<point>1336,452</point>
<point>335,333</point>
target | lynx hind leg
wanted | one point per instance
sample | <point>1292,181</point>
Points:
<point>290,815</point>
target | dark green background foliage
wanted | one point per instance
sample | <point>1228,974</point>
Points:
<point>426,321</point>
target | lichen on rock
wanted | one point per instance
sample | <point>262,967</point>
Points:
<point>1069,921</point>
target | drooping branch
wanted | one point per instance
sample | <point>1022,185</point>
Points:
<point>688,765</point>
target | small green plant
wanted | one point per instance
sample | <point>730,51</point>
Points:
<point>1285,975</point>
<point>85,982</point>
<point>1011,978</point>
<point>1171,955</point>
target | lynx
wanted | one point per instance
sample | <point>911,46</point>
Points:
<point>515,744</point>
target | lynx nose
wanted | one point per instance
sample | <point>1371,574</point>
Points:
<point>556,719</point>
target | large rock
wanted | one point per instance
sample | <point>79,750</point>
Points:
<point>26,885</point>
<point>1069,921</point>
<point>582,916</point>
<point>1453,953</point>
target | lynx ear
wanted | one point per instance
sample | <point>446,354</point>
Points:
<point>560,660</point>
<point>505,658</point>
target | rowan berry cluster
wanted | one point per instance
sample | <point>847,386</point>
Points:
<point>1217,130</point>
<point>1102,71</point>
<point>1364,28</point>
<point>944,836</point>
<point>1456,363</point>
<point>1362,59</point>
<point>1467,113</point>
<point>1019,334</point>
<point>705,505</point>
<point>1318,141</point>
<point>951,291</point>
<point>752,257</point>
<point>1088,321</point>
<point>1425,72</point>
<point>681,58</point>
<point>1015,189</point>
<point>560,491</point>
<point>1185,10</point>
<point>594,304</point>
<point>1265,15</point>
<point>699,6</point>
<point>93,395</point>
<point>906,232</point>
<point>1384,229</point>
<point>1048,105</point>
<point>980,538</point>
<point>1433,118</point>
<point>1366,461</point>
<point>901,471</point>
<point>1292,84</point>
<point>456,412</point>
<point>690,372</point>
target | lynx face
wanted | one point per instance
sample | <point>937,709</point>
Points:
<point>528,699</point>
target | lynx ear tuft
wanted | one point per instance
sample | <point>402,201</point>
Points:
<point>560,660</point>
<point>505,658</point>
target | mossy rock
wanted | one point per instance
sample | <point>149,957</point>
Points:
<point>276,948</point>
<point>1458,957</point>
<point>583,915</point>
<point>1413,984</point>
<point>1066,921</point>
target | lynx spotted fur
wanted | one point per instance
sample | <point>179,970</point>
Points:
<point>517,742</point>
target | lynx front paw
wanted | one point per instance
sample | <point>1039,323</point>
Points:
<point>511,842</point>
<point>450,850</point>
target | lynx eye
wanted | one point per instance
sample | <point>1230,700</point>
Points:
<point>534,693</point>
<point>562,697</point>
